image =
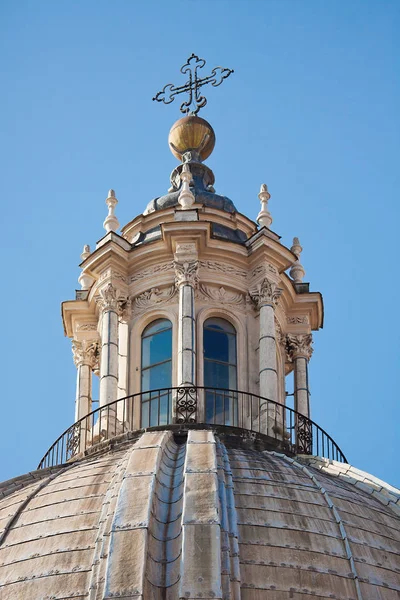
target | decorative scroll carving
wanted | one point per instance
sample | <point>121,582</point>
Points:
<point>108,298</point>
<point>151,297</point>
<point>188,249</point>
<point>86,327</point>
<point>111,299</point>
<point>299,345</point>
<point>186,405</point>
<point>279,335</point>
<point>263,269</point>
<point>222,296</point>
<point>186,273</point>
<point>297,320</point>
<point>153,271</point>
<point>124,308</point>
<point>85,352</point>
<point>266,292</point>
<point>112,274</point>
<point>304,436</point>
<point>218,267</point>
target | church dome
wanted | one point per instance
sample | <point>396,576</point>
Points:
<point>150,515</point>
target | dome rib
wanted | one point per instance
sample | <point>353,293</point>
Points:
<point>336,515</point>
<point>102,543</point>
<point>14,517</point>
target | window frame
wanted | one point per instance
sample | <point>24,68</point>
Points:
<point>159,397</point>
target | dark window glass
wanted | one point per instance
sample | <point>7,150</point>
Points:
<point>156,373</point>
<point>220,371</point>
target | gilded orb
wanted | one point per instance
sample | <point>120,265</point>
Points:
<point>191,134</point>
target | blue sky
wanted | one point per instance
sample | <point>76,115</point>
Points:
<point>312,110</point>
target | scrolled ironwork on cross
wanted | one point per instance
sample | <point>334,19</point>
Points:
<point>193,85</point>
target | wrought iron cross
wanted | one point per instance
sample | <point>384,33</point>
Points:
<point>193,85</point>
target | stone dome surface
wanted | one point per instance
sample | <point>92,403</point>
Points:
<point>152,516</point>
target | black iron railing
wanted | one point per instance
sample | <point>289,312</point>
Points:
<point>289,430</point>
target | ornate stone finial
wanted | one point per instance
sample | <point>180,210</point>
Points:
<point>266,292</point>
<point>297,271</point>
<point>86,252</point>
<point>264,218</point>
<point>299,345</point>
<point>85,352</point>
<point>186,198</point>
<point>111,222</point>
<point>85,280</point>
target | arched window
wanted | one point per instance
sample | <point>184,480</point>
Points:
<point>156,373</point>
<point>220,371</point>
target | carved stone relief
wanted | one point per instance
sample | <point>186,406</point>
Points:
<point>299,345</point>
<point>266,292</point>
<point>218,267</point>
<point>151,297</point>
<point>86,326</point>
<point>110,298</point>
<point>162,268</point>
<point>263,269</point>
<point>85,352</point>
<point>297,320</point>
<point>112,274</point>
<point>222,296</point>
<point>186,273</point>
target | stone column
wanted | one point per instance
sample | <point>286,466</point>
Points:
<point>300,350</point>
<point>85,357</point>
<point>123,344</point>
<point>265,297</point>
<point>186,278</point>
<point>108,303</point>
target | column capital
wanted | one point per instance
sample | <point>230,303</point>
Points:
<point>111,298</point>
<point>299,345</point>
<point>267,292</point>
<point>108,298</point>
<point>186,273</point>
<point>85,352</point>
